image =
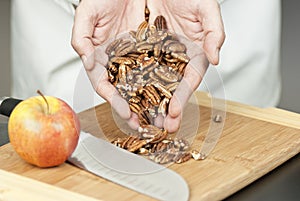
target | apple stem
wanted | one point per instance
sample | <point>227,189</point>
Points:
<point>41,94</point>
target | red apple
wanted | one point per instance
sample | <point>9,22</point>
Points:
<point>44,130</point>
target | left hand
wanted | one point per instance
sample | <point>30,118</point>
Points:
<point>200,22</point>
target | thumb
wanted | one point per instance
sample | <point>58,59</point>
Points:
<point>82,33</point>
<point>211,46</point>
<point>214,31</point>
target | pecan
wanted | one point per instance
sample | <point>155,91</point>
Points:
<point>182,157</point>
<point>175,46</point>
<point>157,51</point>
<point>142,30</point>
<point>181,56</point>
<point>163,106</point>
<point>197,155</point>
<point>144,117</point>
<point>145,103</point>
<point>124,47</point>
<point>112,68</point>
<point>166,44</point>
<point>171,60</point>
<point>118,142</point>
<point>111,77</point>
<point>161,146</point>
<point>165,74</point>
<point>132,34</point>
<point>160,23</point>
<point>180,67</point>
<point>135,107</point>
<point>149,69</point>
<point>133,55</point>
<point>122,60</point>
<point>165,92</point>
<point>157,37</point>
<point>122,73</point>
<point>144,61</point>
<point>143,151</point>
<point>144,48</point>
<point>137,145</point>
<point>180,144</point>
<point>152,112</point>
<point>139,80</point>
<point>148,128</point>
<point>110,50</point>
<point>151,94</point>
<point>135,99</point>
<point>159,137</point>
<point>172,86</point>
<point>163,158</point>
<point>154,77</point>
<point>128,141</point>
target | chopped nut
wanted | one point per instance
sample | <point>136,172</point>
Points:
<point>197,155</point>
<point>218,118</point>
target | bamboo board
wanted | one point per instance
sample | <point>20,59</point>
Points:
<point>254,141</point>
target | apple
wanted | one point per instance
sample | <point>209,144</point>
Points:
<point>44,130</point>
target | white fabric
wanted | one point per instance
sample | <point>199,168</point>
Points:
<point>250,57</point>
<point>42,56</point>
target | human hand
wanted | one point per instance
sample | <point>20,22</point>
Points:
<point>200,22</point>
<point>97,22</point>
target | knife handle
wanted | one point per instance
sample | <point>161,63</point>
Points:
<point>7,105</point>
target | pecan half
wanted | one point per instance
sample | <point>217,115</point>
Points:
<point>160,23</point>
<point>141,32</point>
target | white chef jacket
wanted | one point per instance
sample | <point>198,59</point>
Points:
<point>43,58</point>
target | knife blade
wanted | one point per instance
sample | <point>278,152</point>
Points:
<point>127,169</point>
<point>120,166</point>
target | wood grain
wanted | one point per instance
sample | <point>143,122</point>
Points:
<point>15,187</point>
<point>254,141</point>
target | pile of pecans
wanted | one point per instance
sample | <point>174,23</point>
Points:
<point>155,144</point>
<point>146,68</point>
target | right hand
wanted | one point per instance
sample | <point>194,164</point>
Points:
<point>97,22</point>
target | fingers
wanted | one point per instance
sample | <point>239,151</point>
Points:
<point>106,90</point>
<point>133,121</point>
<point>172,124</point>
<point>194,73</point>
<point>99,79</point>
<point>82,33</point>
<point>210,16</point>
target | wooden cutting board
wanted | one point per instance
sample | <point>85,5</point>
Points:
<point>254,141</point>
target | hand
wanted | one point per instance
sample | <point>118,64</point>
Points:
<point>97,22</point>
<point>200,22</point>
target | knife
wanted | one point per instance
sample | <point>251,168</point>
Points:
<point>122,167</point>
